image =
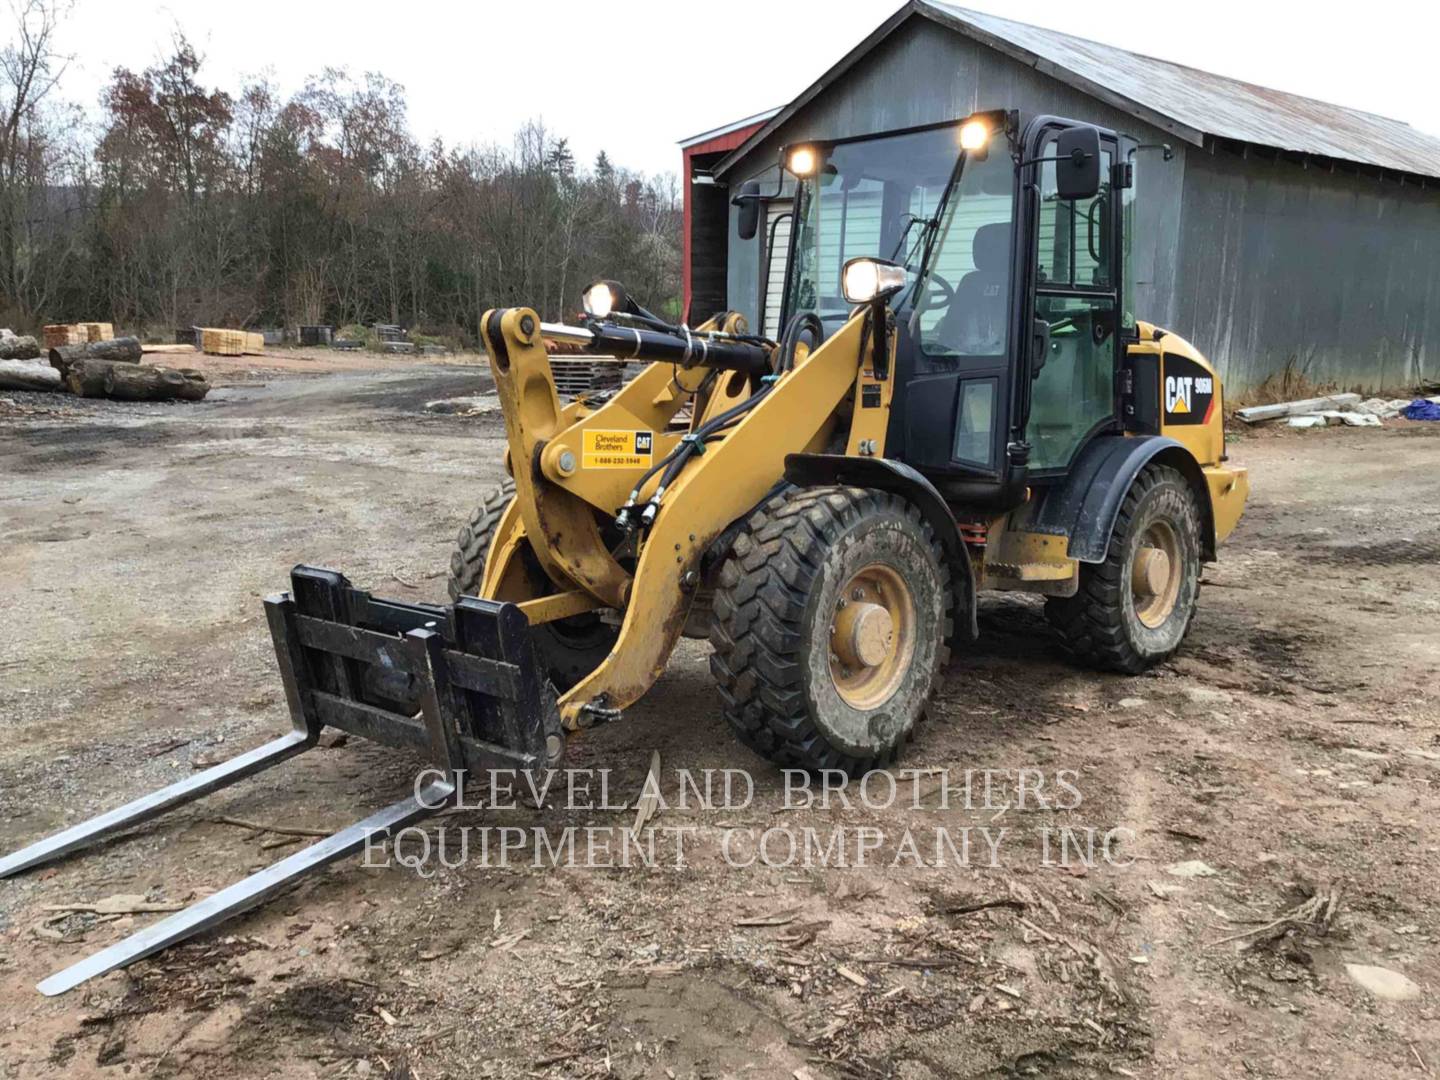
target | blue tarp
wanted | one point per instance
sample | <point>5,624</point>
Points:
<point>1420,409</point>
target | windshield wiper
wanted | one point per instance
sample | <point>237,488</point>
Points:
<point>915,219</point>
<point>928,236</point>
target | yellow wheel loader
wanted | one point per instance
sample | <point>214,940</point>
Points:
<point>961,399</point>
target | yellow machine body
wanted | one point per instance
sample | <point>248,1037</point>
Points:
<point>578,464</point>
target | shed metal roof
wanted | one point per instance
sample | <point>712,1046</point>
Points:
<point>1190,103</point>
<point>726,129</point>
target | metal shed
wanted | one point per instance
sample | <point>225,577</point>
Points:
<point>1286,232</point>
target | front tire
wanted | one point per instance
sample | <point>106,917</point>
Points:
<point>1132,610</point>
<point>831,618</point>
<point>569,648</point>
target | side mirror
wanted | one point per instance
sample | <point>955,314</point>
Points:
<point>1077,173</point>
<point>749,201</point>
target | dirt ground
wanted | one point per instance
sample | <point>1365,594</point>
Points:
<point>290,359</point>
<point>1292,747</point>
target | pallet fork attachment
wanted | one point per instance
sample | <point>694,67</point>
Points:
<point>461,684</point>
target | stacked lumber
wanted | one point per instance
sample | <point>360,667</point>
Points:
<point>222,342</point>
<point>219,342</point>
<point>59,334</point>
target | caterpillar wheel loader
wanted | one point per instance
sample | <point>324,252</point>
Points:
<point>961,399</point>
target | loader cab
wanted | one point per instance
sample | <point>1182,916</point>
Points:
<point>1011,330</point>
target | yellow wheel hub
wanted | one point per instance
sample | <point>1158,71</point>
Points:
<point>872,636</point>
<point>1155,574</point>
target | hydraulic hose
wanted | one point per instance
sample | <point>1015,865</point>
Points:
<point>795,330</point>
<point>803,325</point>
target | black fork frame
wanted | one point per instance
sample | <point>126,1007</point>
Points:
<point>459,683</point>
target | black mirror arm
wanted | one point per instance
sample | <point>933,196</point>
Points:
<point>1075,158</point>
<point>880,328</point>
<point>779,189</point>
<point>1167,151</point>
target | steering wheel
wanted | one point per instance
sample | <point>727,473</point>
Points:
<point>939,293</point>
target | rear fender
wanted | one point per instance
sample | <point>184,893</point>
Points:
<point>1084,507</point>
<point>882,474</point>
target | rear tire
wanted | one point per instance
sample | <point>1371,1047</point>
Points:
<point>831,618</point>
<point>1132,610</point>
<point>569,648</point>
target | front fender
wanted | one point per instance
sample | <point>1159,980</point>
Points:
<point>882,474</point>
<point>1085,505</point>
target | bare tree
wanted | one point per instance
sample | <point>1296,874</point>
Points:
<point>196,205</point>
<point>30,68</point>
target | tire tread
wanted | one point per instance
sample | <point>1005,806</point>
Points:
<point>758,631</point>
<point>1090,624</point>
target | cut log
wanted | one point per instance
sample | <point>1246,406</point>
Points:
<point>85,377</point>
<point>22,347</point>
<point>25,375</point>
<point>124,350</point>
<point>143,382</point>
<point>125,381</point>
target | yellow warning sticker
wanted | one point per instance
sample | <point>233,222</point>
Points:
<point>618,449</point>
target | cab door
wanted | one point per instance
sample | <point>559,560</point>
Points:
<point>1073,308</point>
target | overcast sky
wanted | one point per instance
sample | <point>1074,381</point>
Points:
<point>634,78</point>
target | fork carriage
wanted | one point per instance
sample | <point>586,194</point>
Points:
<point>459,684</point>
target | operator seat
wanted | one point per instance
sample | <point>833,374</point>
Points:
<point>975,322</point>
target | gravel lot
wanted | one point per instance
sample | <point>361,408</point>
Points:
<point>1292,748</point>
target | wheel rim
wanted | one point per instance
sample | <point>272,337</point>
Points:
<point>872,636</point>
<point>1156,573</point>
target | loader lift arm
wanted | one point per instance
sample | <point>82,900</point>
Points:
<point>738,466</point>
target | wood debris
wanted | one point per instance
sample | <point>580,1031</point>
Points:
<point>775,918</point>
<point>649,800</point>
<point>508,941</point>
<point>851,975</point>
<point>261,827</point>
<point>1313,916</point>
<point>119,904</point>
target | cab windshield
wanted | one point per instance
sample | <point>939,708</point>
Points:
<point>882,197</point>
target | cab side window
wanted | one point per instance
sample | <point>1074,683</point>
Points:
<point>1075,296</point>
<point>1074,235</point>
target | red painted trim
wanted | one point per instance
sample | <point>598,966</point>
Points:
<point>729,141</point>
<point>685,177</point>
